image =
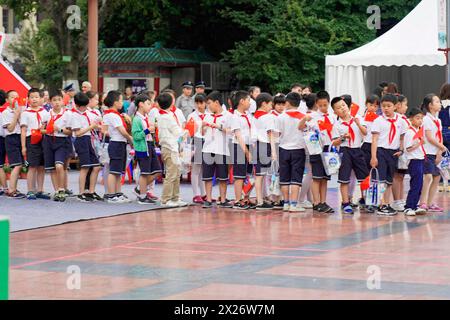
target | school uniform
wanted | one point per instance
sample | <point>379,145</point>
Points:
<point>198,139</point>
<point>366,147</point>
<point>33,120</point>
<point>323,122</point>
<point>216,148</point>
<point>245,124</point>
<point>352,155</point>
<point>148,160</point>
<point>84,145</point>
<point>56,144</point>
<point>415,166</point>
<point>264,123</point>
<point>408,124</point>
<point>292,155</point>
<point>390,131</point>
<point>433,124</point>
<point>178,115</point>
<point>117,148</point>
<point>13,146</point>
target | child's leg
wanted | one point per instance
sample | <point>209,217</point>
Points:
<point>323,191</point>
<point>433,190</point>
<point>105,174</point>
<point>14,178</point>
<point>415,168</point>
<point>82,180</point>
<point>93,179</point>
<point>259,189</point>
<point>295,191</point>
<point>345,192</point>
<point>143,185</point>
<point>54,178</point>
<point>196,180</point>
<point>31,179</point>
<point>387,196</point>
<point>351,186</point>
<point>60,177</point>
<point>222,190</point>
<point>285,192</point>
<point>307,183</point>
<point>118,185</point>
<point>176,186</point>
<point>238,185</point>
<point>66,174</point>
<point>112,181</point>
<point>397,187</point>
<point>40,178</point>
<point>3,183</point>
<point>427,180</point>
<point>208,186</point>
<point>316,190</point>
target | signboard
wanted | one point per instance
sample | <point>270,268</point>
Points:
<point>4,258</point>
<point>139,85</point>
<point>442,24</point>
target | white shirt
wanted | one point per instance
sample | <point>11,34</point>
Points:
<point>144,124</point>
<point>7,117</point>
<point>291,138</point>
<point>30,119</point>
<point>382,126</point>
<point>2,130</point>
<point>114,121</point>
<point>409,141</point>
<point>169,131</point>
<point>253,106</point>
<point>197,117</point>
<point>81,120</point>
<point>153,115</point>
<point>324,135</point>
<point>303,108</point>
<point>264,124</point>
<point>216,141</point>
<point>247,129</point>
<point>179,117</point>
<point>430,125</point>
<point>62,120</point>
<point>343,127</point>
<point>369,124</point>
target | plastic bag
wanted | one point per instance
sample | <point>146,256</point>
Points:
<point>375,191</point>
<point>331,161</point>
<point>101,149</point>
<point>445,163</point>
<point>185,156</point>
<point>313,142</point>
<point>403,162</point>
<point>274,186</point>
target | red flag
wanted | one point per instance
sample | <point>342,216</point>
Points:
<point>354,109</point>
<point>191,127</point>
<point>370,117</point>
<point>365,185</point>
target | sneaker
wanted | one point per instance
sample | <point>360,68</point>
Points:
<point>371,209</point>
<point>347,208</point>
<point>422,208</point>
<point>241,206</point>
<point>251,205</point>
<point>198,200</point>
<point>278,205</point>
<point>409,212</point>
<point>59,197</point>
<point>435,208</point>
<point>207,205</point>
<point>152,196</point>
<point>226,204</point>
<point>84,198</point>
<point>31,196</point>
<point>43,195</point>
<point>386,211</point>
<point>2,191</point>
<point>145,200</point>
<point>421,211</point>
<point>397,206</point>
<point>113,199</point>
<point>69,193</point>
<point>327,208</point>
<point>318,208</point>
<point>95,196</point>
<point>16,195</point>
<point>123,198</point>
<point>296,209</point>
<point>182,203</point>
<point>136,191</point>
<point>362,203</point>
<point>306,204</point>
<point>286,207</point>
<point>170,204</point>
<point>264,206</point>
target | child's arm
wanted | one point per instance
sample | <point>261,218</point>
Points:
<point>81,132</point>
<point>241,142</point>
<point>124,133</point>
<point>402,146</point>
<point>432,140</point>
<point>361,128</point>
<point>374,160</point>
<point>137,131</point>
<point>23,139</point>
<point>14,121</point>
<point>302,123</point>
<point>272,145</point>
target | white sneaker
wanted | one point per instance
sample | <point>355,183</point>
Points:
<point>398,206</point>
<point>124,199</point>
<point>420,210</point>
<point>286,207</point>
<point>114,200</point>
<point>409,212</point>
<point>170,204</point>
<point>306,204</point>
<point>181,203</point>
<point>296,209</point>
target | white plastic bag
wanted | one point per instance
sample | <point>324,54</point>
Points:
<point>403,162</point>
<point>313,142</point>
<point>376,189</point>
<point>185,157</point>
<point>445,163</point>
<point>101,150</point>
<point>331,162</point>
<point>274,186</point>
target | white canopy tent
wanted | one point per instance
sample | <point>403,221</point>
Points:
<point>407,55</point>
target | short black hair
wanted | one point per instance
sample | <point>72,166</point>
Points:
<point>215,96</point>
<point>263,97</point>
<point>33,90</point>
<point>389,98</point>
<point>402,98</point>
<point>414,111</point>
<point>9,92</point>
<point>297,85</point>
<point>200,98</point>
<point>426,102</point>
<point>311,100</point>
<point>91,94</point>
<point>112,97</point>
<point>141,98</point>
<point>252,89</point>
<point>164,101</point>
<point>383,84</point>
<point>323,95</point>
<point>81,99</point>
<point>348,99</point>
<point>42,93</point>
<point>293,98</point>
<point>336,100</point>
<point>279,99</point>
<point>55,93</point>
<point>2,97</point>
<point>373,99</point>
<point>240,95</point>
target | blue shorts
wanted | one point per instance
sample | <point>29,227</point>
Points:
<point>263,156</point>
<point>241,167</point>
<point>367,150</point>
<point>430,167</point>
<point>2,152</point>
<point>387,165</point>
<point>149,165</point>
<point>352,159</point>
<point>117,157</point>
<point>13,148</point>
<point>55,151</point>
<point>86,153</point>
<point>292,166</point>
<point>214,165</point>
<point>317,168</point>
<point>35,153</point>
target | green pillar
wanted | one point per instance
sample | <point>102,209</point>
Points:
<point>4,257</point>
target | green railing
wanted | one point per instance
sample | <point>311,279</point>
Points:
<point>4,258</point>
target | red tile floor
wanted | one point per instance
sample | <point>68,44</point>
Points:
<point>223,254</point>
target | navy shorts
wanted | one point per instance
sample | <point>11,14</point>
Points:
<point>241,167</point>
<point>70,147</point>
<point>35,153</point>
<point>14,150</point>
<point>317,168</point>
<point>292,166</point>
<point>367,150</point>
<point>2,152</point>
<point>86,153</point>
<point>430,167</point>
<point>214,165</point>
<point>352,159</point>
<point>55,151</point>
<point>149,165</point>
<point>263,156</point>
<point>387,165</point>
<point>117,157</point>
<point>198,147</point>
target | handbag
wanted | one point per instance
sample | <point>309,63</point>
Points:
<point>331,161</point>
<point>274,186</point>
<point>445,163</point>
<point>403,162</point>
<point>375,191</point>
<point>101,149</point>
<point>313,142</point>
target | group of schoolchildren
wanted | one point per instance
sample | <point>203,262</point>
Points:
<point>229,145</point>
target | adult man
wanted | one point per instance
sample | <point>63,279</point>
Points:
<point>70,92</point>
<point>199,88</point>
<point>298,88</point>
<point>254,93</point>
<point>185,102</point>
<point>86,86</point>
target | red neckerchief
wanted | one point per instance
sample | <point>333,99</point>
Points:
<point>259,113</point>
<point>201,115</point>
<point>84,114</point>
<point>295,114</point>
<point>328,125</point>
<point>231,110</point>
<point>419,135</point>
<point>393,130</point>
<point>163,112</point>
<point>38,116</point>
<point>275,113</point>
<point>58,116</point>
<point>173,109</point>
<point>117,113</point>
<point>248,120</point>
<point>439,130</point>
<point>215,116</point>
<point>350,131</point>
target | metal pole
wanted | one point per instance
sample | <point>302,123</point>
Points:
<point>93,43</point>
